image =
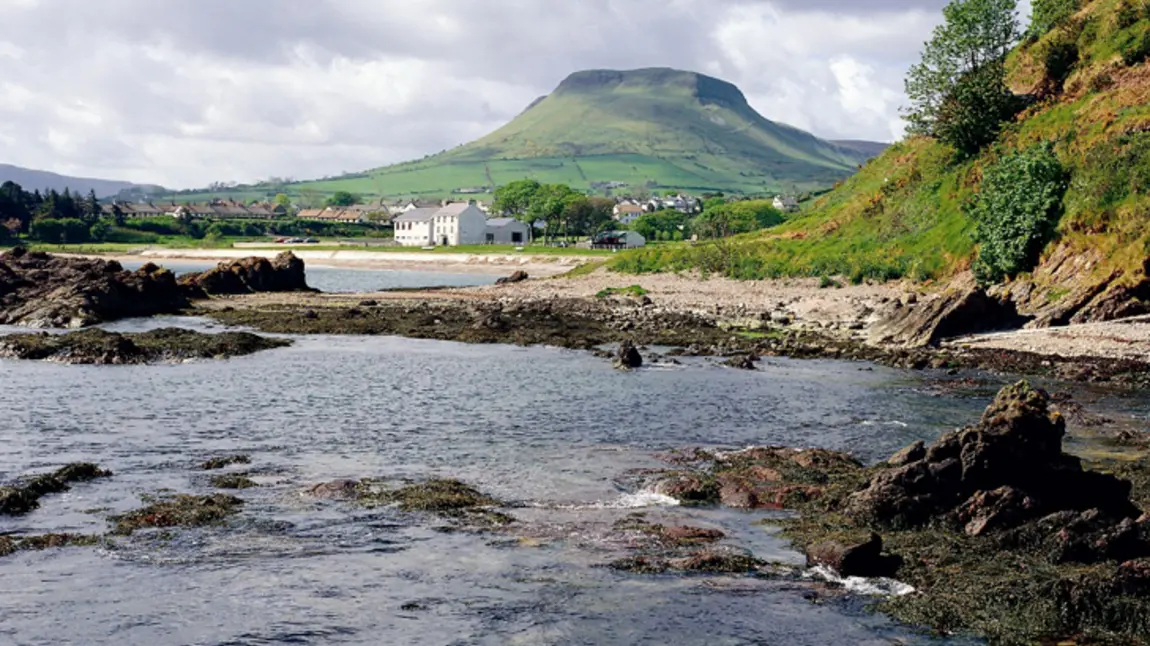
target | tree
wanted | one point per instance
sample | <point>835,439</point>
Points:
<point>737,217</point>
<point>342,198</point>
<point>118,215</point>
<point>961,80</point>
<point>92,209</point>
<point>515,200</point>
<point>549,204</point>
<point>283,200</point>
<point>1048,14</point>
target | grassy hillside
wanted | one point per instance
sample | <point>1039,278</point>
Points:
<point>903,215</point>
<point>654,128</point>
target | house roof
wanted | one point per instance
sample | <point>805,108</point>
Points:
<point>455,208</point>
<point>500,222</point>
<point>418,215</point>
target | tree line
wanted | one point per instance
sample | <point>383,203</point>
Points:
<point>568,214</point>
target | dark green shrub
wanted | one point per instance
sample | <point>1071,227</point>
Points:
<point>1016,212</point>
<point>164,226</point>
<point>1129,13</point>
<point>1048,14</point>
<point>130,236</point>
<point>98,232</point>
<point>1060,58</point>
<point>973,113</point>
<point>62,231</point>
<point>1137,50</point>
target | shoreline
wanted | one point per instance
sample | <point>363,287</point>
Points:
<point>463,263</point>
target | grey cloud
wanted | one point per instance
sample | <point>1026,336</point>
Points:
<point>159,90</point>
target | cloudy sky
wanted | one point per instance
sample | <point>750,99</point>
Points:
<point>186,92</point>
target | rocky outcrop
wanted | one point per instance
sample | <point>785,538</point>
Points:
<point>47,291</point>
<point>962,310</point>
<point>996,475</point>
<point>285,273</point>
<point>99,347</point>
<point>627,357</point>
<point>742,362</point>
<point>516,277</point>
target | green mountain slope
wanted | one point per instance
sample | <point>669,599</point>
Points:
<point>655,128</point>
<point>903,214</point>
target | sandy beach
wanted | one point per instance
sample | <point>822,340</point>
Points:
<point>495,264</point>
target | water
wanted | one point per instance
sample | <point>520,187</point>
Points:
<point>552,430</point>
<point>332,279</point>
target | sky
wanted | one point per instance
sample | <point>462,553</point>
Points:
<point>187,92</point>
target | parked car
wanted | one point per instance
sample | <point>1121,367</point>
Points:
<point>310,241</point>
<point>293,241</point>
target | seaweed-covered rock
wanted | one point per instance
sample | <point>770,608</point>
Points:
<point>1003,471</point>
<point>223,461</point>
<point>285,273</point>
<point>741,362</point>
<point>47,291</point>
<point>17,543</point>
<point>100,347</point>
<point>24,496</point>
<point>182,510</point>
<point>627,357</point>
<point>232,481</point>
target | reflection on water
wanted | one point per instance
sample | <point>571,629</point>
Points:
<point>548,428</point>
<point>331,279</point>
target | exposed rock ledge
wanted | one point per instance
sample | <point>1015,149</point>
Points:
<point>98,347</point>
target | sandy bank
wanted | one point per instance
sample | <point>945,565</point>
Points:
<point>496,264</point>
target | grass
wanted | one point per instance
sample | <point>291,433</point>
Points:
<point>634,291</point>
<point>903,215</point>
<point>188,243</point>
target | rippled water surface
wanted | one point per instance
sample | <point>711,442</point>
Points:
<point>332,279</point>
<point>551,430</point>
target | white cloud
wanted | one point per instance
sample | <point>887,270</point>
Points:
<point>186,92</point>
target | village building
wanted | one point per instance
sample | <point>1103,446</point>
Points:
<point>626,213</point>
<point>507,231</point>
<point>618,240</point>
<point>786,204</point>
<point>460,223</point>
<point>414,228</point>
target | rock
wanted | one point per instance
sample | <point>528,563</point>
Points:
<point>232,481</point>
<point>717,562</point>
<point>98,347</point>
<point>285,273</point>
<point>688,488</point>
<point>863,559</point>
<point>1004,470</point>
<point>335,490</point>
<point>738,495</point>
<point>692,534</point>
<point>912,453</point>
<point>517,277</point>
<point>741,362</point>
<point>627,357</point>
<point>955,313</point>
<point>46,291</point>
<point>991,510</point>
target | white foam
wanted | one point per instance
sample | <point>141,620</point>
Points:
<point>638,500</point>
<point>860,585</point>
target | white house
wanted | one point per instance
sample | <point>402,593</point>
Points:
<point>507,231</point>
<point>460,223</point>
<point>414,228</point>
<point>786,204</point>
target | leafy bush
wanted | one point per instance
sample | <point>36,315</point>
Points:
<point>98,232</point>
<point>1060,57</point>
<point>1048,14</point>
<point>164,226</point>
<point>1016,212</point>
<point>1129,13</point>
<point>59,231</point>
<point>972,114</point>
<point>1138,50</point>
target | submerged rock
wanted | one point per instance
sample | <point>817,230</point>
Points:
<point>742,362</point>
<point>99,347</point>
<point>285,273</point>
<point>221,462</point>
<point>627,357</point>
<point>232,481</point>
<point>11,544</point>
<point>24,496</point>
<point>451,499</point>
<point>182,510</point>
<point>46,291</point>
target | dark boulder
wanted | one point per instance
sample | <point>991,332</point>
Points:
<point>516,277</point>
<point>1003,471</point>
<point>285,273</point>
<point>627,357</point>
<point>741,362</point>
<point>912,453</point>
<point>47,291</point>
<point>954,313</point>
<point>864,559</point>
